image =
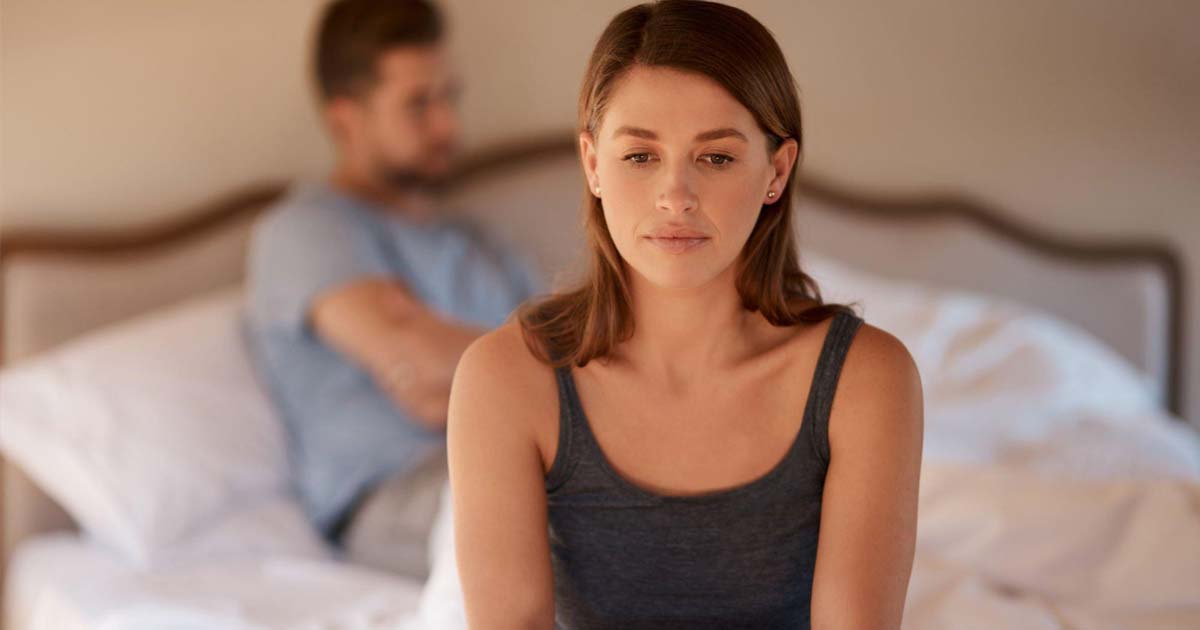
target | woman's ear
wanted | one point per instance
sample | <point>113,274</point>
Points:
<point>587,155</point>
<point>781,166</point>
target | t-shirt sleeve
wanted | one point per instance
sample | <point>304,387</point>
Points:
<point>299,252</point>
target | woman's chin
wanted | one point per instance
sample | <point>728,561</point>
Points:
<point>680,279</point>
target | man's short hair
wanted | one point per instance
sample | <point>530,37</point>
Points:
<point>354,33</point>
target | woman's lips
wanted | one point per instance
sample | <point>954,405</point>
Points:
<point>677,244</point>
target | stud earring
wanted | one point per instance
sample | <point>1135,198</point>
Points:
<point>771,194</point>
<point>597,190</point>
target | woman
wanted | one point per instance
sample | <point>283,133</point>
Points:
<point>713,450</point>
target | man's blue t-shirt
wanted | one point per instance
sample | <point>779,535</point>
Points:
<point>345,433</point>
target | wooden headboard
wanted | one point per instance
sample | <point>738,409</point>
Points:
<point>55,286</point>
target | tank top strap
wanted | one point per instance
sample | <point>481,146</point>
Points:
<point>825,378</point>
<point>571,431</point>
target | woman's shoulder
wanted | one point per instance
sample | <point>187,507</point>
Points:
<point>501,390</point>
<point>875,353</point>
<point>502,357</point>
<point>879,393</point>
<point>499,374</point>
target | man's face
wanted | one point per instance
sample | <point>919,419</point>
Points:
<point>403,130</point>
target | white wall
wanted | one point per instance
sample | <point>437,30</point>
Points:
<point>1077,115</point>
<point>117,109</point>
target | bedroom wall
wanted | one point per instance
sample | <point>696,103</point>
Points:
<point>1077,115</point>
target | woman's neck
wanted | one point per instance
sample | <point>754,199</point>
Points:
<point>679,334</point>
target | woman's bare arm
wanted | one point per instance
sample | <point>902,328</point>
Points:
<point>499,394</point>
<point>869,509</point>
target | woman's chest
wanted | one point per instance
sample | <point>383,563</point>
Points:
<point>706,437</point>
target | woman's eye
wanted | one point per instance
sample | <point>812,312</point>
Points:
<point>638,158</point>
<point>718,159</point>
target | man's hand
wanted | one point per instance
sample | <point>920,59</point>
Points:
<point>410,350</point>
<point>428,347</point>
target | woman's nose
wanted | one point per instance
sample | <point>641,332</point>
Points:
<point>677,193</point>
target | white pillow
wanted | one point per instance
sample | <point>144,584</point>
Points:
<point>1006,382</point>
<point>151,431</point>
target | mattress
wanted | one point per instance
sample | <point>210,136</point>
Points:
<point>64,581</point>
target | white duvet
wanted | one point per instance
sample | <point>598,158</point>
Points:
<point>1054,494</point>
<point>64,582</point>
<point>997,548</point>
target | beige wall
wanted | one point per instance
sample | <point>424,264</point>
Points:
<point>1078,116</point>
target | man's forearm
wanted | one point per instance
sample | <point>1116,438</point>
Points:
<point>422,387</point>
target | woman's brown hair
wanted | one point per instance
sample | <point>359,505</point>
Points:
<point>730,47</point>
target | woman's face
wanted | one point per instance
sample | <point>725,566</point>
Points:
<point>682,170</point>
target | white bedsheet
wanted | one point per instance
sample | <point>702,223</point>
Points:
<point>63,581</point>
<point>1002,547</point>
<point>998,547</point>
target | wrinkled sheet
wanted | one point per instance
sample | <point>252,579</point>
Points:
<point>67,582</point>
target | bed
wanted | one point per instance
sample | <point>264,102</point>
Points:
<point>1061,487</point>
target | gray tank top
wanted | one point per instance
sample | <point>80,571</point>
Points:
<point>743,557</point>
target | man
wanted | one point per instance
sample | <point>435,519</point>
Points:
<point>361,296</point>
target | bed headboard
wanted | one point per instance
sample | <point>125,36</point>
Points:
<point>55,286</point>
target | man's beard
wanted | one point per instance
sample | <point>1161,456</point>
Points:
<point>406,179</point>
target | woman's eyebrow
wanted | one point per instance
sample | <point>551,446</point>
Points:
<point>638,132</point>
<point>724,132</point>
<point>715,134</point>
